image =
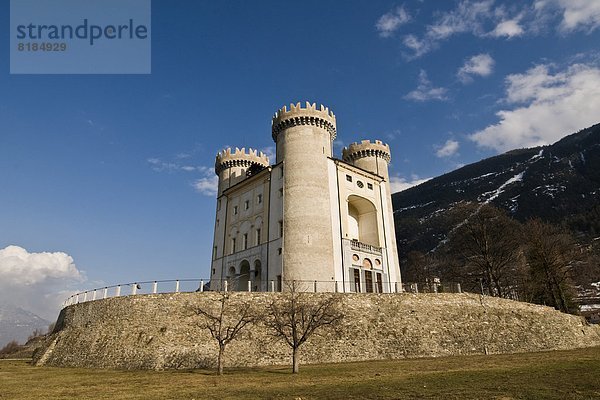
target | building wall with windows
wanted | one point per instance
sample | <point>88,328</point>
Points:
<point>310,217</point>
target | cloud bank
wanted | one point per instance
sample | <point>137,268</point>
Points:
<point>543,107</point>
<point>37,282</point>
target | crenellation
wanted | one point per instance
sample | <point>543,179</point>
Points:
<point>239,158</point>
<point>310,114</point>
<point>366,148</point>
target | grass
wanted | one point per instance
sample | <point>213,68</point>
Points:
<point>573,374</point>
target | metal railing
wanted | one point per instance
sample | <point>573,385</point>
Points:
<point>239,285</point>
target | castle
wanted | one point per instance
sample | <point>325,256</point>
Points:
<point>309,217</point>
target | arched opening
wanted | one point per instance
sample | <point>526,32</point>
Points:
<point>362,221</point>
<point>231,278</point>
<point>244,276</point>
<point>257,276</point>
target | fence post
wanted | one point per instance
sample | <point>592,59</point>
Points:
<point>84,297</point>
<point>177,286</point>
<point>94,295</point>
<point>201,286</point>
<point>118,292</point>
<point>336,286</point>
<point>134,288</point>
<point>225,285</point>
<point>155,287</point>
<point>272,286</point>
<point>77,298</point>
<point>458,288</point>
<point>249,286</point>
<point>105,293</point>
<point>315,286</point>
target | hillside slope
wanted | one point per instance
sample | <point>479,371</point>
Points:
<point>559,183</point>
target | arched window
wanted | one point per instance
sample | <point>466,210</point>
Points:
<point>362,221</point>
<point>257,276</point>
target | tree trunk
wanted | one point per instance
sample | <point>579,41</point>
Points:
<point>220,360</point>
<point>295,360</point>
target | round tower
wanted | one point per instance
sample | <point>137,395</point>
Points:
<point>232,166</point>
<point>371,156</point>
<point>304,137</point>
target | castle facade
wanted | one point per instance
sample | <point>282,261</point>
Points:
<point>310,217</point>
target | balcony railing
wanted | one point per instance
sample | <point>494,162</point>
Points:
<point>360,246</point>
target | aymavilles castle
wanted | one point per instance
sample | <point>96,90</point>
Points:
<point>309,217</point>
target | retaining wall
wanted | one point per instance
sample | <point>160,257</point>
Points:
<point>160,331</point>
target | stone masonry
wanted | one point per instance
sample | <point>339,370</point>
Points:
<point>160,331</point>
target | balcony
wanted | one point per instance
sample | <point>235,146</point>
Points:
<point>360,246</point>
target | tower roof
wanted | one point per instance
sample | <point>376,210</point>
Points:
<point>309,115</point>
<point>239,158</point>
<point>366,148</point>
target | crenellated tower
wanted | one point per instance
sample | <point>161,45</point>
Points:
<point>372,156</point>
<point>233,166</point>
<point>304,137</point>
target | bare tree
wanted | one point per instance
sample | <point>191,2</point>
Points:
<point>295,316</point>
<point>226,320</point>
<point>486,249</point>
<point>551,254</point>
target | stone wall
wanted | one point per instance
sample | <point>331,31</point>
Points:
<point>160,331</point>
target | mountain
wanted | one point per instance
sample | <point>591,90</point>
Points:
<point>559,183</point>
<point>17,324</point>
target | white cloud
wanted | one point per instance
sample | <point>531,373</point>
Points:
<point>481,65</point>
<point>398,183</point>
<point>576,14</point>
<point>389,23</point>
<point>546,107</point>
<point>418,46</point>
<point>467,17</point>
<point>448,149</point>
<point>269,151</point>
<point>426,91</point>
<point>508,28</point>
<point>208,184</point>
<point>36,281</point>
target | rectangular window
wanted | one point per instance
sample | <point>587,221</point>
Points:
<point>281,172</point>
<point>214,271</point>
<point>281,192</point>
<point>259,199</point>
<point>218,204</point>
<point>279,251</point>
<point>245,242</point>
<point>369,281</point>
<point>348,178</point>
<point>232,245</point>
<point>379,283</point>
<point>246,204</point>
<point>370,186</point>
<point>356,276</point>
<point>217,221</point>
<point>257,236</point>
<point>235,210</point>
<point>280,228</point>
<point>215,253</point>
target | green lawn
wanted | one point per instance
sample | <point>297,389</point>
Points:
<point>571,374</point>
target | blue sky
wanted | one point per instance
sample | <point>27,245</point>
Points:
<point>114,171</point>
